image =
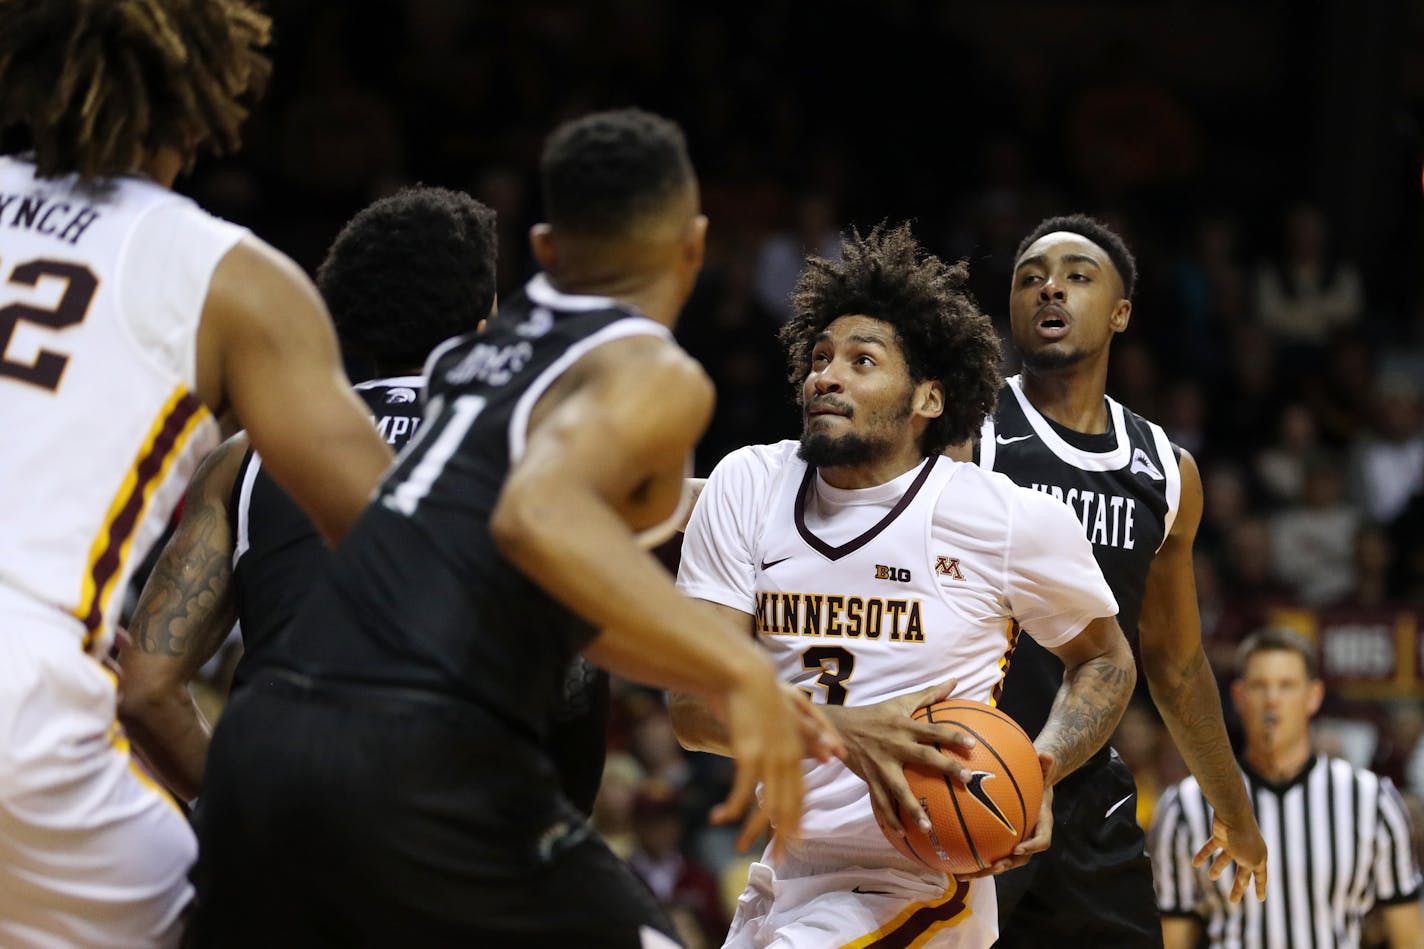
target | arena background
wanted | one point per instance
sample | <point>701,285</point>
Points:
<point>1263,160</point>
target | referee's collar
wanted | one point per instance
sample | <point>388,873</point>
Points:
<point>1280,787</point>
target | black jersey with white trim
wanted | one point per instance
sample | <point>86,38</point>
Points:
<point>277,552</point>
<point>1124,486</point>
<point>418,595</point>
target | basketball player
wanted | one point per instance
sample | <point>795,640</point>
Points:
<point>873,570</point>
<point>1340,835</point>
<point>129,318</point>
<point>243,551</point>
<point>401,719</point>
<point>1139,499</point>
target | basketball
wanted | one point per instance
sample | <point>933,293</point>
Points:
<point>978,824</point>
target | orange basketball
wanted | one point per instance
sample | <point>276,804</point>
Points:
<point>981,823</point>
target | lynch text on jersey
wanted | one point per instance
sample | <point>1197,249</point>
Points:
<point>59,219</point>
<point>1107,518</point>
<point>820,614</point>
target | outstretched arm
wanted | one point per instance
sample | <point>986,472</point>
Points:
<point>1184,689</point>
<point>183,615</point>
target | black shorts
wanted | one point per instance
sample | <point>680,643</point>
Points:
<point>1093,886</point>
<point>345,816</point>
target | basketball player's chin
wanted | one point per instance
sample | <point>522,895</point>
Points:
<point>821,450</point>
<point>1053,357</point>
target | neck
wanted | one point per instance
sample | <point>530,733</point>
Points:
<point>1279,764</point>
<point>653,292</point>
<point>1073,396</point>
<point>880,471</point>
<point>161,166</point>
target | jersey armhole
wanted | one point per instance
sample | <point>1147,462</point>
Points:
<point>240,506</point>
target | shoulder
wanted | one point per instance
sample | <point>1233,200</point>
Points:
<point>755,464</point>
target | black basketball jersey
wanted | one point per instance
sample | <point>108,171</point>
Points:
<point>1124,487</point>
<point>277,552</point>
<point>418,595</point>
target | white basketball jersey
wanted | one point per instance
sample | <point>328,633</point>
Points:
<point>104,288</point>
<point>863,595</point>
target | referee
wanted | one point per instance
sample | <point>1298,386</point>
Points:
<point>1339,836</point>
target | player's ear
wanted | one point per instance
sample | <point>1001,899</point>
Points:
<point>694,244</point>
<point>929,398</point>
<point>1121,316</point>
<point>541,242</point>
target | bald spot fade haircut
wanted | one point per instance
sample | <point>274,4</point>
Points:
<point>100,84</point>
<point>1093,230</point>
<point>938,326</point>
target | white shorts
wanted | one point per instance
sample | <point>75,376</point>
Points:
<point>91,852</point>
<point>795,904</point>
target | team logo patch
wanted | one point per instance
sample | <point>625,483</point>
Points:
<point>949,567</point>
<point>883,572</point>
<point>976,788</point>
<point>1141,464</point>
<point>399,394</point>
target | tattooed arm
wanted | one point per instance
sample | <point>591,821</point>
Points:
<point>1184,689</point>
<point>1098,676</point>
<point>183,615</point>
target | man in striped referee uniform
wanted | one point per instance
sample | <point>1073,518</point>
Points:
<point>1339,835</point>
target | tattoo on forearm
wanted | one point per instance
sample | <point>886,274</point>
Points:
<point>1191,708</point>
<point>1089,705</point>
<point>186,607</point>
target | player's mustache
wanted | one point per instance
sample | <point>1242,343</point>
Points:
<point>829,402</point>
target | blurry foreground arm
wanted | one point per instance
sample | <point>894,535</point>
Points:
<point>1185,692</point>
<point>630,411</point>
<point>1404,926</point>
<point>266,348</point>
<point>1180,932</point>
<point>183,615</point>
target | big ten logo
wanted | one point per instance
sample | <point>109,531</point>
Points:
<point>899,574</point>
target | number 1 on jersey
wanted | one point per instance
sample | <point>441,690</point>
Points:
<point>408,494</point>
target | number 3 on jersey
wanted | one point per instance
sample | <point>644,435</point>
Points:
<point>836,664</point>
<point>407,495</point>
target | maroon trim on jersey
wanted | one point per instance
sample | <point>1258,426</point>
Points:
<point>836,553</point>
<point>121,528</point>
<point>904,935</point>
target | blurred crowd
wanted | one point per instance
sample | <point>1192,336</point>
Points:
<point>1288,359</point>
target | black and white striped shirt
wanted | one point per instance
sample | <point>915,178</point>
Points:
<point>1339,843</point>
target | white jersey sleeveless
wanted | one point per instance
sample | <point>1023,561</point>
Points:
<point>863,595</point>
<point>104,288</point>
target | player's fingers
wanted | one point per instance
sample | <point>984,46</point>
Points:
<point>909,802</point>
<point>1238,885</point>
<point>927,734</point>
<point>818,734</point>
<point>883,800</point>
<point>1204,854</point>
<point>927,756</point>
<point>935,693</point>
<point>753,829</point>
<point>743,785</point>
<point>1260,874</point>
<point>1219,865</point>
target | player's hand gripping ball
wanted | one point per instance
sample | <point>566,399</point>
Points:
<point>974,826</point>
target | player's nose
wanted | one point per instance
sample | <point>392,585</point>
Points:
<point>1050,290</point>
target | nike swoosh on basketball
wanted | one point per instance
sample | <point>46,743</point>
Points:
<point>1009,441</point>
<point>857,889</point>
<point>765,566</point>
<point>1116,806</point>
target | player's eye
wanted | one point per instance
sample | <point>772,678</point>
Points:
<point>864,361</point>
<point>1080,277</point>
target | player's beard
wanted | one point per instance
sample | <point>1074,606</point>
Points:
<point>837,451</point>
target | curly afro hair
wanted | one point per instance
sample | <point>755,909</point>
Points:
<point>938,326</point>
<point>1096,231</point>
<point>409,271</point>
